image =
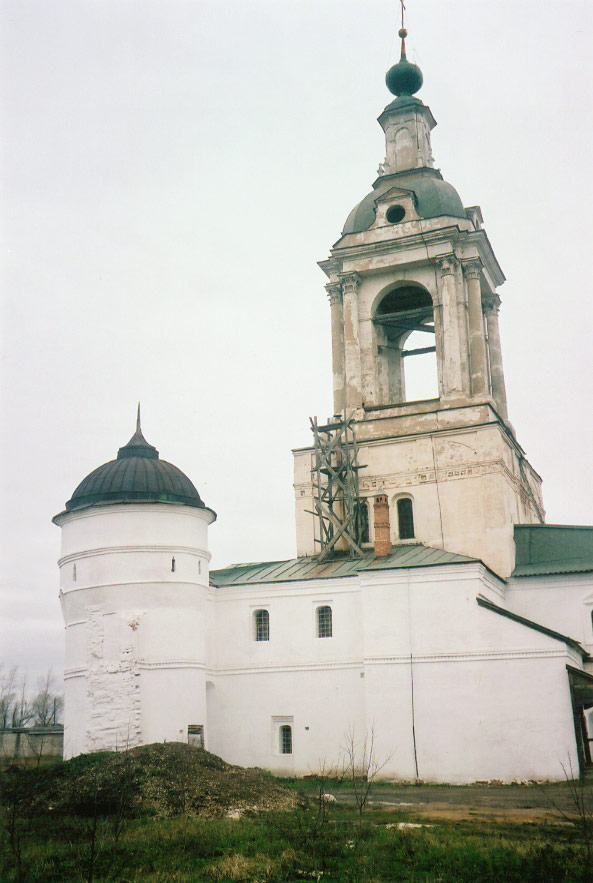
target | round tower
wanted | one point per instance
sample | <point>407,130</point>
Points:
<point>133,588</point>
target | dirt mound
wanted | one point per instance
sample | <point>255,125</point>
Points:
<point>161,779</point>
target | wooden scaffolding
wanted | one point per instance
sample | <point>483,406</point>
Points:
<point>342,513</point>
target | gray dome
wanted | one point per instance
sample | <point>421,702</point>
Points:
<point>434,198</point>
<point>136,476</point>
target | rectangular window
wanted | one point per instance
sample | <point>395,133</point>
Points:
<point>324,622</point>
<point>195,735</point>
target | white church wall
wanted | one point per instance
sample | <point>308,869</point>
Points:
<point>563,602</point>
<point>320,703</point>
<point>411,650</point>
<point>494,718</point>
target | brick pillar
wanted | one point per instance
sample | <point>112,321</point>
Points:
<point>382,531</point>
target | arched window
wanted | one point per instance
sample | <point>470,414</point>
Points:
<point>404,327</point>
<point>324,622</point>
<point>361,514</point>
<point>262,625</point>
<point>285,739</point>
<point>405,519</point>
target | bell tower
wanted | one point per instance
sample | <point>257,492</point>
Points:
<point>413,277</point>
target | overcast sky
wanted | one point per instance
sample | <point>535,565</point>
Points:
<point>172,171</point>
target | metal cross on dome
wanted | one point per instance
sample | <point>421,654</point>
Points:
<point>403,6</point>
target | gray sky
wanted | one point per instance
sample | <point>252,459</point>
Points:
<point>171,174</point>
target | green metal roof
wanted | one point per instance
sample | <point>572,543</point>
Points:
<point>434,198</point>
<point>483,602</point>
<point>138,475</point>
<point>552,548</point>
<point>297,569</point>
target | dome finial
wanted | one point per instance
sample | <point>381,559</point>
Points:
<point>403,78</point>
<point>138,446</point>
<point>402,31</point>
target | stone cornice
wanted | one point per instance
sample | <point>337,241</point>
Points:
<point>111,550</point>
<point>457,239</point>
<point>401,659</point>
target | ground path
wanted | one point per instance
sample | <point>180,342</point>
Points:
<point>510,803</point>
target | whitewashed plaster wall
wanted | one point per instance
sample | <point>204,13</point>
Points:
<point>466,484</point>
<point>134,589</point>
<point>147,657</point>
<point>477,712</point>
<point>563,602</point>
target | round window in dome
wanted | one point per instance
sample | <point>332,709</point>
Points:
<point>395,214</point>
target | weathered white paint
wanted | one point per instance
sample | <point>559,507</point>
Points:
<point>135,628</point>
<point>151,651</point>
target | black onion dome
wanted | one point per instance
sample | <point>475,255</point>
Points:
<point>136,476</point>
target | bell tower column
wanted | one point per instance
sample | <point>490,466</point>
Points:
<point>477,340</point>
<point>450,374</point>
<point>334,292</point>
<point>499,393</point>
<point>353,369</point>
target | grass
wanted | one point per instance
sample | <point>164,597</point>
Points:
<point>289,846</point>
<point>168,814</point>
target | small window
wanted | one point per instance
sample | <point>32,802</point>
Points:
<point>361,511</point>
<point>195,735</point>
<point>405,519</point>
<point>324,622</point>
<point>262,625</point>
<point>395,214</point>
<point>285,739</point>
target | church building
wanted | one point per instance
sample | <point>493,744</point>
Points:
<point>429,603</point>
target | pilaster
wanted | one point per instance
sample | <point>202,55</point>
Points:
<point>352,362</point>
<point>499,393</point>
<point>477,341</point>
<point>334,292</point>
<point>451,375</point>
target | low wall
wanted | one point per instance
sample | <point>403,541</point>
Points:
<point>32,742</point>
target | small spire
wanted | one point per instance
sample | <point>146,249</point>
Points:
<point>138,446</point>
<point>402,31</point>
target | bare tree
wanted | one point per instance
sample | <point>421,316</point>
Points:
<point>22,712</point>
<point>37,742</point>
<point>8,679</point>
<point>362,766</point>
<point>323,775</point>
<point>579,812</point>
<point>47,705</point>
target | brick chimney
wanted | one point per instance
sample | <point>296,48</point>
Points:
<point>382,531</point>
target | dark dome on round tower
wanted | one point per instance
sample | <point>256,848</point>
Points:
<point>137,475</point>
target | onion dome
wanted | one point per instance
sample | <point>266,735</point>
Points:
<point>404,78</point>
<point>136,476</point>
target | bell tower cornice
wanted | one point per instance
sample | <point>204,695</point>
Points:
<point>367,252</point>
